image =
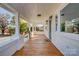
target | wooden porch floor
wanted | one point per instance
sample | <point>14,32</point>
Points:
<point>39,45</point>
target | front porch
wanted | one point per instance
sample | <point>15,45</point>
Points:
<point>39,45</point>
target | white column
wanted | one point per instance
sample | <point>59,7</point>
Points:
<point>35,28</point>
<point>20,42</point>
<point>58,27</point>
<point>32,28</point>
<point>17,32</point>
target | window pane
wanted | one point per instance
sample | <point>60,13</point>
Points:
<point>7,23</point>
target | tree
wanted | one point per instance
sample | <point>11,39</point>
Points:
<point>11,29</point>
<point>11,26</point>
<point>3,22</point>
<point>13,20</point>
<point>62,26</point>
<point>23,26</point>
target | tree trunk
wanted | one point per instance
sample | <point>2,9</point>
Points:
<point>2,31</point>
<point>78,30</point>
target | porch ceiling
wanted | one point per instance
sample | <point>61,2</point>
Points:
<point>30,10</point>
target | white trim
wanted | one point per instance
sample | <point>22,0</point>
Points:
<point>8,40</point>
<point>9,7</point>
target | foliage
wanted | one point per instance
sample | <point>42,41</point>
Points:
<point>11,26</point>
<point>11,29</point>
<point>76,24</point>
<point>3,22</point>
<point>63,26</point>
<point>23,26</point>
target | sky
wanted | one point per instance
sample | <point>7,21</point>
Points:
<point>4,11</point>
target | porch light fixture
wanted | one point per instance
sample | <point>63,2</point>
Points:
<point>38,15</point>
<point>62,14</point>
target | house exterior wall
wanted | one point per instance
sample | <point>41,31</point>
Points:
<point>67,43</point>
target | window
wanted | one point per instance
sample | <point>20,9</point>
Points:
<point>39,27</point>
<point>70,19</point>
<point>7,23</point>
<point>70,26</point>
